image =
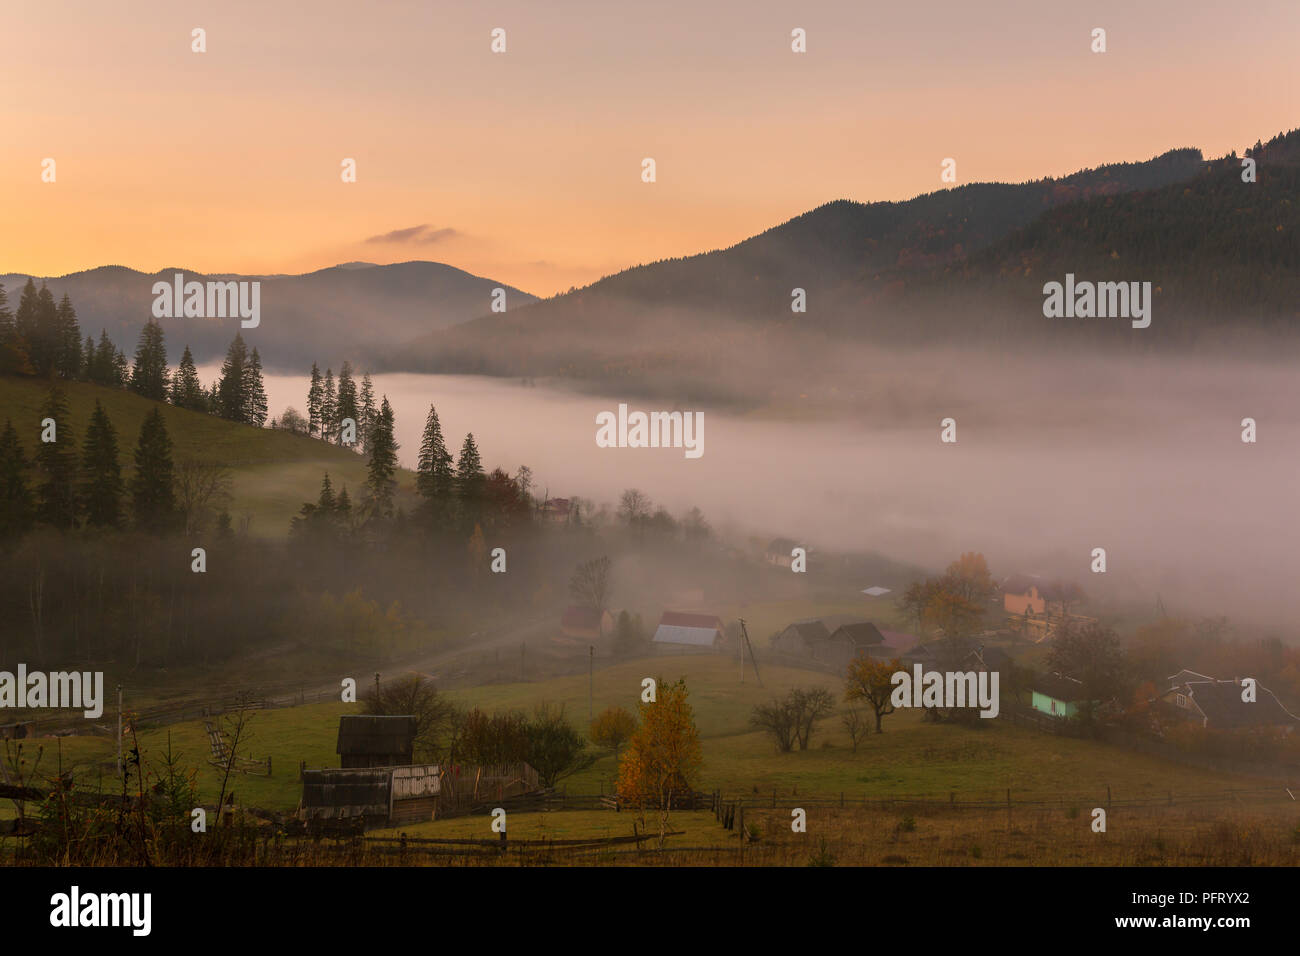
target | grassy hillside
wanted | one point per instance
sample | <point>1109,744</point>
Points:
<point>273,472</point>
<point>911,757</point>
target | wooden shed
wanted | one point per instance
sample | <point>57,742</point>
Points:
<point>367,740</point>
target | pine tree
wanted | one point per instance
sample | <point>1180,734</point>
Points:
<point>232,400</point>
<point>366,408</point>
<point>347,399</point>
<point>380,483</point>
<point>25,323</point>
<point>102,369</point>
<point>121,376</point>
<point>68,357</point>
<point>254,392</point>
<point>6,317</point>
<point>13,353</point>
<point>326,501</point>
<point>101,475</point>
<point>313,402</point>
<point>16,510</point>
<point>187,390</point>
<point>88,360</point>
<point>434,477</point>
<point>149,374</point>
<point>153,498</point>
<point>470,480</point>
<point>56,464</point>
<point>328,407</point>
<point>47,332</point>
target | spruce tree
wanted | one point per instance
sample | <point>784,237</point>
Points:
<point>16,509</point>
<point>6,317</point>
<point>187,390</point>
<point>328,407</point>
<point>149,374</point>
<point>326,502</point>
<point>434,477</point>
<point>101,475</point>
<point>13,353</point>
<point>382,469</point>
<point>470,480</point>
<point>68,356</point>
<point>313,402</point>
<point>232,400</point>
<point>25,318</point>
<point>102,370</point>
<point>254,392</point>
<point>366,410</point>
<point>56,464</point>
<point>347,399</point>
<point>153,500</point>
<point>88,360</point>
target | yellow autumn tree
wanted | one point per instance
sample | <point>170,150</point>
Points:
<point>871,679</point>
<point>663,756</point>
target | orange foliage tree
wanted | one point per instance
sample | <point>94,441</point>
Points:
<point>663,755</point>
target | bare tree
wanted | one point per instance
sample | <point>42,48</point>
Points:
<point>590,586</point>
<point>634,507</point>
<point>437,719</point>
<point>857,724</point>
<point>202,486</point>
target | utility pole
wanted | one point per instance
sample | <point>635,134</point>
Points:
<point>744,637</point>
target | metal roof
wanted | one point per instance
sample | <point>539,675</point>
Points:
<point>675,634</point>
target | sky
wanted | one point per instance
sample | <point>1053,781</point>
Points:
<point>526,166</point>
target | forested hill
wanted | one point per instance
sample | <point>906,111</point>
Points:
<point>833,252</point>
<point>967,263</point>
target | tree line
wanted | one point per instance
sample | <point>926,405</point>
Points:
<point>43,338</point>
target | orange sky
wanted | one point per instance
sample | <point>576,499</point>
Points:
<point>525,166</point>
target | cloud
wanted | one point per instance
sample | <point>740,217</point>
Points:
<point>422,235</point>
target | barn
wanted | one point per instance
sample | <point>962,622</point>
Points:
<point>680,633</point>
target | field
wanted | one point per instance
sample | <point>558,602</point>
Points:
<point>273,472</point>
<point>910,758</point>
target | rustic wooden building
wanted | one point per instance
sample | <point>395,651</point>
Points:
<point>367,740</point>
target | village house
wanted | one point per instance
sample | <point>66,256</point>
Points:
<point>799,638</point>
<point>587,623</point>
<point>778,552</point>
<point>681,633</point>
<point>1058,695</point>
<point>847,643</point>
<point>1029,594</point>
<point>557,510</point>
<point>1218,705</point>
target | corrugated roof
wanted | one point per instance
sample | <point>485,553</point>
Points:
<point>683,619</point>
<point>696,636</point>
